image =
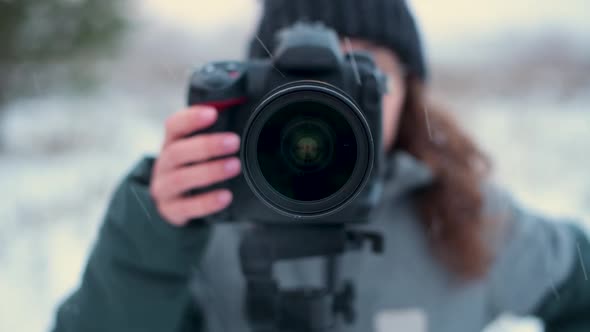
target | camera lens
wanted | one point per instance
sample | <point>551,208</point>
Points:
<point>307,144</point>
<point>307,150</point>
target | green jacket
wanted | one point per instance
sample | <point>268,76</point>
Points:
<point>145,275</point>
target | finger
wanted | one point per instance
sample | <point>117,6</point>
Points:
<point>187,121</point>
<point>180,211</point>
<point>170,185</point>
<point>196,149</point>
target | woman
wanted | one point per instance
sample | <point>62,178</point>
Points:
<point>459,251</point>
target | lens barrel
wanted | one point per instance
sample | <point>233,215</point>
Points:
<point>307,150</point>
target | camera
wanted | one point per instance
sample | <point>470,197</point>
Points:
<point>309,118</point>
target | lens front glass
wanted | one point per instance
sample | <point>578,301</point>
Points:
<point>307,151</point>
<point>307,144</point>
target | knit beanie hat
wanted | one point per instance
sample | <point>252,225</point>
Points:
<point>387,23</point>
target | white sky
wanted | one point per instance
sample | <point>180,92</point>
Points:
<point>440,20</point>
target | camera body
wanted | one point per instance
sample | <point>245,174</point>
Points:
<point>310,120</point>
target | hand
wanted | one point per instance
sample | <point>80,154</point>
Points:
<point>185,163</point>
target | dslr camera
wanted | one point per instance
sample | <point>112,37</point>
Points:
<point>309,118</point>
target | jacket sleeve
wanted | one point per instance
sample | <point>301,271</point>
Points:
<point>538,268</point>
<point>570,310</point>
<point>136,278</point>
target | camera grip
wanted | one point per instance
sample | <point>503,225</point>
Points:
<point>225,109</point>
<point>220,85</point>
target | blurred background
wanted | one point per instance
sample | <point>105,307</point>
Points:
<point>86,84</point>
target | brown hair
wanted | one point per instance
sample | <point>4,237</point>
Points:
<point>451,207</point>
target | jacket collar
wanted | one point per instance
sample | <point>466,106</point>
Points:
<point>403,173</point>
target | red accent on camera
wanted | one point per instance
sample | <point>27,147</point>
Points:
<point>222,104</point>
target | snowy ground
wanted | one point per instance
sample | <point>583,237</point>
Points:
<point>64,154</point>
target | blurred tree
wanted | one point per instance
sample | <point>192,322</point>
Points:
<point>35,34</point>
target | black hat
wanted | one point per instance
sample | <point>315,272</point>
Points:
<point>387,23</point>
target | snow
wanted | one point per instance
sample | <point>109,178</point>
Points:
<point>63,153</point>
<point>61,164</point>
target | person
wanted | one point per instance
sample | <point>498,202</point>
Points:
<point>459,250</point>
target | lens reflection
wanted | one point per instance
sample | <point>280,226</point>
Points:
<point>307,151</point>
<point>307,144</point>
